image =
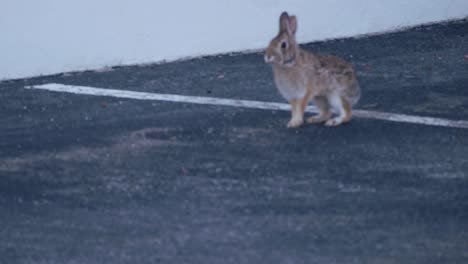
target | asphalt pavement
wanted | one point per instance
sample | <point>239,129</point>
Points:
<point>90,179</point>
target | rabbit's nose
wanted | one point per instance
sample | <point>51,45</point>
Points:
<point>269,59</point>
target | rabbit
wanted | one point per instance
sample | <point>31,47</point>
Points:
<point>301,76</point>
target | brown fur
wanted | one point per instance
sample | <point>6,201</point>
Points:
<point>301,76</point>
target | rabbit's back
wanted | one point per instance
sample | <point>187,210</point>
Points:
<point>330,74</point>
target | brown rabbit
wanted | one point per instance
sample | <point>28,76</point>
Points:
<point>301,76</point>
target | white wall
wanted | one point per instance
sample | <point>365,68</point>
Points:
<point>52,36</point>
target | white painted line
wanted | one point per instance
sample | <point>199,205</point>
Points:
<point>431,121</point>
<point>159,97</point>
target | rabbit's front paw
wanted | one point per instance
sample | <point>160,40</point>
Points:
<point>295,122</point>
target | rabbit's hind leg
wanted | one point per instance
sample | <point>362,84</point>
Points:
<point>342,106</point>
<point>324,110</point>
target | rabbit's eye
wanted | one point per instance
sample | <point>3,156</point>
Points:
<point>284,45</point>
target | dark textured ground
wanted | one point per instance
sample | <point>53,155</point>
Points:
<point>98,180</point>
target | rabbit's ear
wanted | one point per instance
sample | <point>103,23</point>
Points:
<point>293,24</point>
<point>284,22</point>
